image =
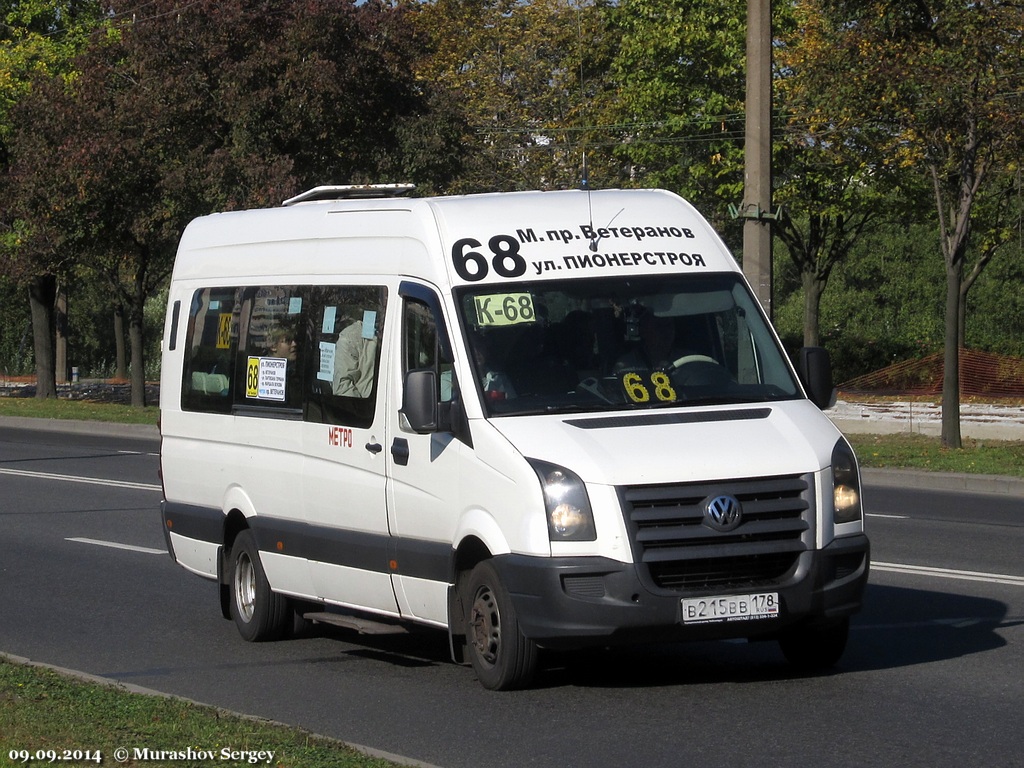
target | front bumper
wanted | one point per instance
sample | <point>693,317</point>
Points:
<point>577,601</point>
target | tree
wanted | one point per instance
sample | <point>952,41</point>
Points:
<point>178,111</point>
<point>937,84</point>
<point>39,36</point>
<point>999,213</point>
<point>680,77</point>
<point>40,39</point>
<point>830,185</point>
<point>531,78</point>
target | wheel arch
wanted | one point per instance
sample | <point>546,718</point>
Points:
<point>470,551</point>
<point>238,508</point>
<point>234,523</point>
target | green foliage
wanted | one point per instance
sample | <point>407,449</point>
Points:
<point>995,317</point>
<point>39,37</point>
<point>15,330</point>
<point>885,301</point>
<point>173,111</point>
<point>178,111</point>
<point>530,78</point>
<point>680,77</point>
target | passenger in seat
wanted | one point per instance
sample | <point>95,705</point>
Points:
<point>281,343</point>
<point>355,360</point>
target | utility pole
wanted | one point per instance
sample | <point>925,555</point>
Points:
<point>757,174</point>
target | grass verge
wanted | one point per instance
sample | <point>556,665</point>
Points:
<point>43,712</point>
<point>81,410</point>
<point>981,457</point>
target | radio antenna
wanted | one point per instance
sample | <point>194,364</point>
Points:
<point>585,175</point>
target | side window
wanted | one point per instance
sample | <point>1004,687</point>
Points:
<point>344,326</point>
<point>421,347</point>
<point>210,346</point>
<point>273,341</point>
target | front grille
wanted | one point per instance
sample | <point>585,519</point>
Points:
<point>675,550</point>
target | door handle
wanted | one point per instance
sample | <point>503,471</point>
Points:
<point>400,451</point>
<point>374,448</point>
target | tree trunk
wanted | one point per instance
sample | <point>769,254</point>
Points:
<point>42,294</point>
<point>138,360</point>
<point>121,369</point>
<point>813,289</point>
<point>951,376</point>
<point>61,338</point>
<point>961,321</point>
<point>136,314</point>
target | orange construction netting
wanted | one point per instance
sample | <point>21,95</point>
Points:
<point>982,374</point>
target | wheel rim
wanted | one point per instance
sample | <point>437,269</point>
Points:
<point>245,586</point>
<point>485,625</point>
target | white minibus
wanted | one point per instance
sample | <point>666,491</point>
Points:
<point>532,420</point>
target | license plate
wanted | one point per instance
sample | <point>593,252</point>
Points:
<point>706,610</point>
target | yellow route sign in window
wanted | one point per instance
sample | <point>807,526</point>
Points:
<point>497,309</point>
<point>224,332</point>
<point>252,378</point>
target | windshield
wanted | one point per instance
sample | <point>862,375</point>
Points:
<point>593,345</point>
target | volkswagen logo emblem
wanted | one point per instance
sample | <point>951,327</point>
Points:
<point>723,513</point>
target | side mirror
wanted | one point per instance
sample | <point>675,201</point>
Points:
<point>420,402</point>
<point>815,370</point>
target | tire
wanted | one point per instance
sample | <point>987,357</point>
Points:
<point>502,657</point>
<point>815,648</point>
<point>259,613</point>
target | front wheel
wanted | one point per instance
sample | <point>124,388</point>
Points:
<point>815,648</point>
<point>502,657</point>
<point>259,613</point>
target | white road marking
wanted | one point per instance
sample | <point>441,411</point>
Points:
<point>949,573</point>
<point>79,479</point>
<point>116,545</point>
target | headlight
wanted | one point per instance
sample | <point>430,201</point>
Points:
<point>845,484</point>
<point>566,502</point>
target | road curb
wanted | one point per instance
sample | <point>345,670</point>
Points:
<point>944,481</point>
<point>105,428</point>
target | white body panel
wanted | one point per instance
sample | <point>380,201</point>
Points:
<point>649,453</point>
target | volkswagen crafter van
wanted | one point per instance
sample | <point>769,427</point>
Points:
<point>532,420</point>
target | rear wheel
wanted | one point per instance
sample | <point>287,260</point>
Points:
<point>259,613</point>
<point>502,657</point>
<point>815,648</point>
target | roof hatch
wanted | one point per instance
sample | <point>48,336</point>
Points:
<point>351,192</point>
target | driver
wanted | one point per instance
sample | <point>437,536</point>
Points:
<point>656,350</point>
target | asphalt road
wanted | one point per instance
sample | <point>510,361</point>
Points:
<point>932,676</point>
